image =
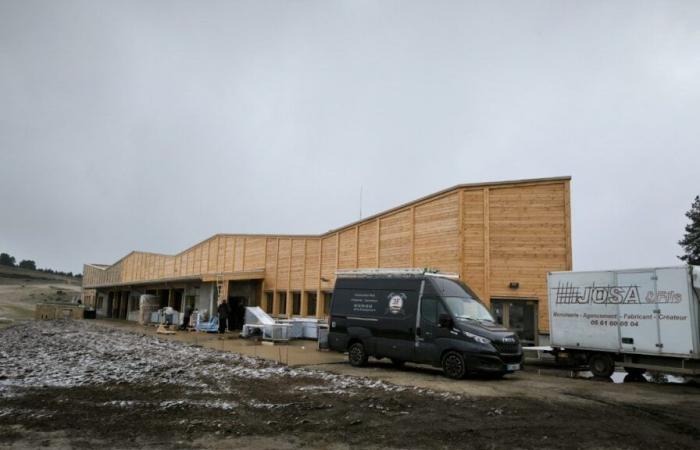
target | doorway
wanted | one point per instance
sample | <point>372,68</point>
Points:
<point>236,312</point>
<point>177,297</point>
<point>519,315</point>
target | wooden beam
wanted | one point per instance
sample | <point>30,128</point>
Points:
<point>233,276</point>
<point>320,262</point>
<point>303,309</point>
<point>245,240</point>
<point>220,254</point>
<point>357,247</point>
<point>233,263</point>
<point>337,252</point>
<point>460,211</point>
<point>567,228</point>
<point>289,302</point>
<point>263,297</point>
<point>487,248</point>
<point>303,273</point>
<point>413,236</point>
<point>277,266</point>
<point>379,231</point>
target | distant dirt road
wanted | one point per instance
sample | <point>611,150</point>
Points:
<point>77,384</point>
<point>18,297</point>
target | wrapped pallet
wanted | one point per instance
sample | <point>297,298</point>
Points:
<point>148,304</point>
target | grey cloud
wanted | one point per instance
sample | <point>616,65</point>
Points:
<point>152,125</point>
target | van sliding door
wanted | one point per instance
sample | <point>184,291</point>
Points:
<point>428,331</point>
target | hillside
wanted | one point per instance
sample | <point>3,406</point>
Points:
<point>21,290</point>
<point>26,274</point>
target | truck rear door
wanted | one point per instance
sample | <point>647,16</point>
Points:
<point>673,297</point>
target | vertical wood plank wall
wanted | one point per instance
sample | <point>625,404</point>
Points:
<point>490,235</point>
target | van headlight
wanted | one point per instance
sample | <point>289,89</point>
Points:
<point>477,338</point>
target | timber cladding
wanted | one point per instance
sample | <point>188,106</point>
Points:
<point>492,234</point>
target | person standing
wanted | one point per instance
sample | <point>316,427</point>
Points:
<point>186,319</point>
<point>223,315</point>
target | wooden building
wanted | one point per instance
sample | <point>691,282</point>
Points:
<point>501,238</point>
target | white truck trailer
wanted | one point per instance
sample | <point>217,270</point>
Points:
<point>639,319</point>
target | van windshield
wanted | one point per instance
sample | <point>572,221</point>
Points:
<point>467,308</point>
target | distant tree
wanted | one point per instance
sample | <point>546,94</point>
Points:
<point>691,240</point>
<point>7,260</point>
<point>27,264</point>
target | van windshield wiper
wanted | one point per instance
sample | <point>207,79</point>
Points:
<point>473,319</point>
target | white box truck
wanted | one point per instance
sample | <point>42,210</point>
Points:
<point>639,319</point>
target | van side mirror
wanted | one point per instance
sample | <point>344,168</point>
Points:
<point>445,321</point>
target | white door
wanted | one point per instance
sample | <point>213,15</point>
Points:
<point>673,303</point>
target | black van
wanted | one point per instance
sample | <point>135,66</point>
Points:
<point>413,315</point>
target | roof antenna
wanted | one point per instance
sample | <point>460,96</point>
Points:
<point>360,202</point>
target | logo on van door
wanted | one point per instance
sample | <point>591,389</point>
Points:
<point>396,302</point>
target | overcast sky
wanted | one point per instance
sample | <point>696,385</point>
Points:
<point>152,125</point>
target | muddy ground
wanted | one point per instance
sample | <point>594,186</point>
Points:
<point>79,385</point>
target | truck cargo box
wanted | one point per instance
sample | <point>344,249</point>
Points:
<point>641,311</point>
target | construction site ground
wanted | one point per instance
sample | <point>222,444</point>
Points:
<point>110,384</point>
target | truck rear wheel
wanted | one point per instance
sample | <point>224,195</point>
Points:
<point>601,365</point>
<point>357,355</point>
<point>453,365</point>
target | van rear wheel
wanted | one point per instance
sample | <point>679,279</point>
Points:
<point>357,355</point>
<point>453,365</point>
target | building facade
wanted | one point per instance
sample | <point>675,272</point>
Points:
<point>501,238</point>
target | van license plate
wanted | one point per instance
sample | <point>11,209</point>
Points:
<point>513,367</point>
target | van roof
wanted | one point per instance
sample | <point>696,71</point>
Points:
<point>394,273</point>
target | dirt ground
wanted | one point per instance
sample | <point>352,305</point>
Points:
<point>18,297</point>
<point>83,385</point>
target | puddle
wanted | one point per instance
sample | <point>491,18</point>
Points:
<point>619,377</point>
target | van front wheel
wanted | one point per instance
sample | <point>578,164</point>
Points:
<point>453,365</point>
<point>357,355</point>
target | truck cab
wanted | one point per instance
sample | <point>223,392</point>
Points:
<point>413,315</point>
